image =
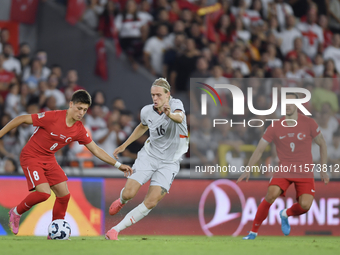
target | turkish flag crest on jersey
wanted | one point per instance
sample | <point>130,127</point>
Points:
<point>75,9</point>
<point>24,11</point>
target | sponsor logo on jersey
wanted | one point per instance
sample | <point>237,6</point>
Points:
<point>41,115</point>
<point>281,137</point>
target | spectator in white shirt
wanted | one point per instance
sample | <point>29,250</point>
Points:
<point>131,25</point>
<point>90,16</point>
<point>110,137</point>
<point>288,36</point>
<point>42,56</point>
<point>11,64</point>
<point>312,34</point>
<point>282,10</point>
<point>217,77</point>
<point>241,33</point>
<point>328,124</point>
<point>238,63</point>
<point>12,104</point>
<point>178,28</point>
<point>296,74</point>
<point>333,51</point>
<point>95,121</point>
<point>334,13</point>
<point>52,90</point>
<point>154,50</point>
<point>273,61</point>
<point>35,75</point>
<point>318,66</point>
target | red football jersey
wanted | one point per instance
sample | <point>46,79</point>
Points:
<point>52,134</point>
<point>293,144</point>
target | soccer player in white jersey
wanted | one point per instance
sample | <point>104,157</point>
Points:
<point>158,160</point>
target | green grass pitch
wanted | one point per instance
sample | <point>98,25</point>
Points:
<point>163,245</point>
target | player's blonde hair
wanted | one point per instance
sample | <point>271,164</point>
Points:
<point>163,83</point>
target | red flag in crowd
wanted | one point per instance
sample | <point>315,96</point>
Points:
<point>184,4</point>
<point>24,11</point>
<point>210,29</point>
<point>75,9</point>
<point>101,64</point>
<point>13,28</point>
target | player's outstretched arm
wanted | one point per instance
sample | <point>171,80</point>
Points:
<point>319,140</point>
<point>138,132</point>
<point>101,154</point>
<point>257,154</point>
<point>17,121</point>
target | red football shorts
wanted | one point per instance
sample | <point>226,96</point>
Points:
<point>302,185</point>
<point>37,173</point>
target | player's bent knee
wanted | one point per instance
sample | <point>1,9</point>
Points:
<point>270,198</point>
<point>128,194</point>
<point>44,196</point>
<point>305,205</point>
<point>150,204</point>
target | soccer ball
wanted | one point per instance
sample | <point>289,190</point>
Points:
<point>59,229</point>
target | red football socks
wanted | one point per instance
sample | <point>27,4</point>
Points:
<point>32,199</point>
<point>261,215</point>
<point>60,207</point>
<point>295,210</point>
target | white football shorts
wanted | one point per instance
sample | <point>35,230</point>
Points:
<point>147,167</point>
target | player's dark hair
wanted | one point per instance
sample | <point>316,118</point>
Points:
<point>81,96</point>
<point>292,94</point>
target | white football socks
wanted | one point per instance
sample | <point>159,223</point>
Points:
<point>123,201</point>
<point>15,211</point>
<point>132,217</point>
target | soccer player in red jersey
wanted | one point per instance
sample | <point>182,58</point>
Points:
<point>293,146</point>
<point>55,129</point>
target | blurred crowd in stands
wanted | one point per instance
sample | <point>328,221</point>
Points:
<point>294,43</point>
<point>28,86</point>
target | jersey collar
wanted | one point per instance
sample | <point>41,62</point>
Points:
<point>159,113</point>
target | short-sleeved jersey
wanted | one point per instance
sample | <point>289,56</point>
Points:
<point>168,140</point>
<point>293,144</point>
<point>52,134</point>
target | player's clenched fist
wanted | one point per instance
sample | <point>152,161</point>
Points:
<point>166,109</point>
